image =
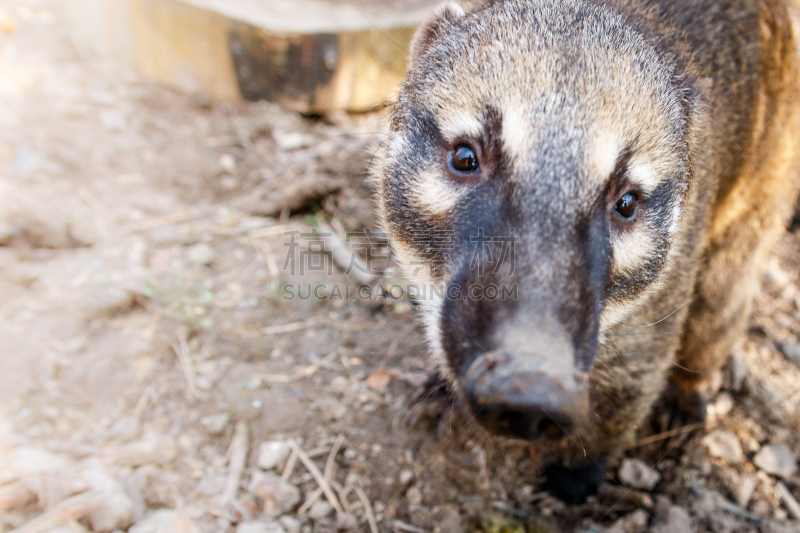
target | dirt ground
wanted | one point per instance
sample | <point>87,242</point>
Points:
<point>156,330</point>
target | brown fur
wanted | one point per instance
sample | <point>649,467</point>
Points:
<point>707,90</point>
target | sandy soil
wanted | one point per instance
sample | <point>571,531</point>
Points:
<point>154,331</point>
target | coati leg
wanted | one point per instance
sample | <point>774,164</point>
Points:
<point>746,223</point>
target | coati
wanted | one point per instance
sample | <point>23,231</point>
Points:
<point>616,170</point>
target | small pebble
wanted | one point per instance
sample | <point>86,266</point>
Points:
<point>724,445</point>
<point>636,522</point>
<point>776,459</point>
<point>414,496</point>
<point>744,491</point>
<point>216,424</point>
<point>164,521</point>
<point>319,510</point>
<point>345,522</point>
<point>677,521</point>
<point>406,476</point>
<point>228,163</point>
<point>637,474</point>
<point>259,527</point>
<point>279,496</point>
<point>290,524</point>
<point>791,350</point>
<point>157,451</point>
<point>272,453</point>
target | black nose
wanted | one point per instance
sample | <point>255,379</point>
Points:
<point>511,398</point>
<point>527,407</point>
<point>522,418</point>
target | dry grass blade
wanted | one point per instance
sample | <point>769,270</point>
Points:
<point>789,500</point>
<point>348,261</point>
<point>73,508</point>
<point>289,328</point>
<point>305,372</point>
<point>185,358</point>
<point>665,435</point>
<point>291,462</point>
<point>373,524</point>
<point>15,495</point>
<point>318,477</point>
<point>238,458</point>
<point>329,464</point>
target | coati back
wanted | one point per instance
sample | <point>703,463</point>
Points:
<point>584,193</point>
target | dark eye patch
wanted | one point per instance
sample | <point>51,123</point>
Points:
<point>464,160</point>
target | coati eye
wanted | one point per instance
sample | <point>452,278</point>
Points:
<point>463,159</point>
<point>626,207</point>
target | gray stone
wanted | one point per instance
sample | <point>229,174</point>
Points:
<point>159,451</point>
<point>272,453</point>
<point>319,510</point>
<point>278,496</point>
<point>254,526</point>
<point>290,524</point>
<point>791,350</point>
<point>738,370</point>
<point>406,476</point>
<point>776,459</point>
<point>677,521</point>
<point>636,522</point>
<point>165,521</point>
<point>724,445</point>
<point>637,474</point>
<point>744,491</point>
<point>346,522</point>
<point>216,424</point>
<point>113,508</point>
<point>450,520</point>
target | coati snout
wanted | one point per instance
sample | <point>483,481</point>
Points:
<point>617,178</point>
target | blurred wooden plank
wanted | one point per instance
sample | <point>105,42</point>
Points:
<point>313,55</point>
<point>282,17</point>
<point>183,46</point>
<point>319,72</point>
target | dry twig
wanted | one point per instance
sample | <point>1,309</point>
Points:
<point>318,477</point>
<point>789,500</point>
<point>291,462</point>
<point>346,259</point>
<point>373,524</point>
<point>328,475</point>
<point>665,435</point>
<point>15,495</point>
<point>289,328</point>
<point>185,358</point>
<point>305,372</point>
<point>238,458</point>
<point>73,508</point>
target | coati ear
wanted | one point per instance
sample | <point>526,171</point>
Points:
<point>429,30</point>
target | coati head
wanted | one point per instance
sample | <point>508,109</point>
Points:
<point>533,179</point>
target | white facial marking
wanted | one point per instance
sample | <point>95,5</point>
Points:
<point>517,134</point>
<point>631,248</point>
<point>458,125</point>
<point>604,156</point>
<point>643,176</point>
<point>434,194</point>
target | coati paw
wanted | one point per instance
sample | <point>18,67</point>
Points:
<point>573,485</point>
<point>682,406</point>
